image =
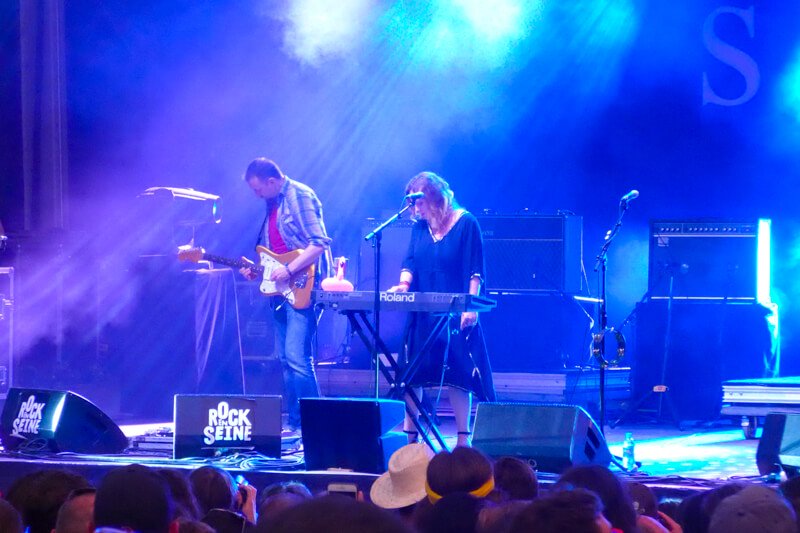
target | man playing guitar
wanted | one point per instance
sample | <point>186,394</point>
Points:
<point>293,223</point>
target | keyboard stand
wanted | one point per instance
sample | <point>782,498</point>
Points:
<point>397,381</point>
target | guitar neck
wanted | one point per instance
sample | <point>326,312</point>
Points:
<point>235,263</point>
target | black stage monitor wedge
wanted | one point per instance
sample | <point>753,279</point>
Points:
<point>57,421</point>
<point>351,433</point>
<point>770,445</point>
<point>208,425</point>
<point>555,436</point>
<point>779,446</point>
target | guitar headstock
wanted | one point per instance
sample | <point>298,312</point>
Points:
<point>193,255</point>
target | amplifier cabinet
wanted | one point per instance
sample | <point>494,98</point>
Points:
<point>523,253</point>
<point>709,259</point>
<point>710,342</point>
<point>533,253</point>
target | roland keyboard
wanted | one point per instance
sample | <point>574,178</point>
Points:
<point>426,302</point>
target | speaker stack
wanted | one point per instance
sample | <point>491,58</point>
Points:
<point>533,267</point>
<point>719,329</point>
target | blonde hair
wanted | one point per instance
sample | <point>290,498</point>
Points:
<point>438,195</point>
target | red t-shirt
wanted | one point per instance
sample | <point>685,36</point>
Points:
<point>276,243</point>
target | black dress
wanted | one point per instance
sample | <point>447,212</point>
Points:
<point>447,266</point>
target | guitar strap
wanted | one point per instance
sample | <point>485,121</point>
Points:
<point>263,225</point>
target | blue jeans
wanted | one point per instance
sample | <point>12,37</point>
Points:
<point>294,332</point>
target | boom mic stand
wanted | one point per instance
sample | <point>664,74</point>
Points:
<point>599,339</point>
<point>375,237</point>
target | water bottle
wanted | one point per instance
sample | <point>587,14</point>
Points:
<point>628,460</point>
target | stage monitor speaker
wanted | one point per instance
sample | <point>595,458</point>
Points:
<point>706,259</point>
<point>779,446</point>
<point>533,253</point>
<point>57,421</point>
<point>351,433</point>
<point>208,425</point>
<point>555,436</point>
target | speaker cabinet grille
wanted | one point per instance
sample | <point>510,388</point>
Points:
<point>533,253</point>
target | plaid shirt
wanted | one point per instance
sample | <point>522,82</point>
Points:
<point>300,221</point>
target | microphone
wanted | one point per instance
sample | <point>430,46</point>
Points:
<point>416,195</point>
<point>630,196</point>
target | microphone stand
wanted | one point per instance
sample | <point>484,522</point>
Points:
<point>599,339</point>
<point>375,237</point>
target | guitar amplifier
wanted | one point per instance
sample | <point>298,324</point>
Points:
<point>523,253</point>
<point>709,260</point>
<point>533,253</point>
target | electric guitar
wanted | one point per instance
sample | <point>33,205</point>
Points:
<point>297,290</point>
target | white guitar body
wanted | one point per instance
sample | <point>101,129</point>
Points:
<point>270,287</point>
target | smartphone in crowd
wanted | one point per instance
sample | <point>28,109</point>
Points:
<point>345,489</point>
<point>241,482</point>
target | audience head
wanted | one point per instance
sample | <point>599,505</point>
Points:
<point>277,503</point>
<point>498,518</point>
<point>695,511</point>
<point>213,488</point>
<point>455,513</point>
<point>134,497</point>
<point>617,505</point>
<point>516,478</point>
<point>225,521</point>
<point>185,504</point>
<point>644,501</point>
<point>403,484</point>
<point>193,526</point>
<point>334,513</point>
<point>284,487</point>
<point>563,511</point>
<point>9,518</point>
<point>791,491</point>
<point>39,495</point>
<point>462,470</point>
<point>754,509</point>
<point>76,514</point>
<point>670,507</point>
<point>278,497</point>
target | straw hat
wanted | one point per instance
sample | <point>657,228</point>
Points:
<point>404,483</point>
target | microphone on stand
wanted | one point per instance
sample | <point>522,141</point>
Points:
<point>628,197</point>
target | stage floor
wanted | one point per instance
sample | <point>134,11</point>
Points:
<point>674,462</point>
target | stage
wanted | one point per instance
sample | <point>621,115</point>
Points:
<point>674,463</point>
